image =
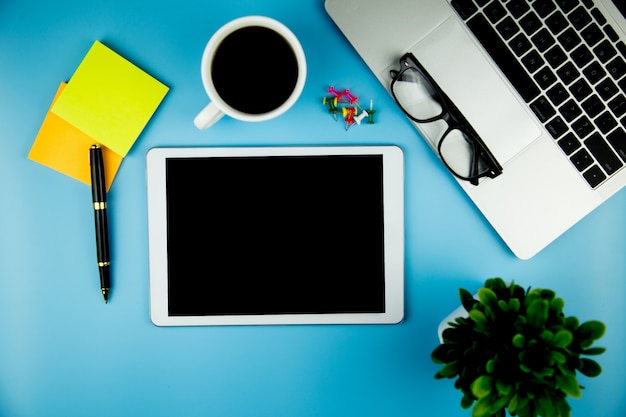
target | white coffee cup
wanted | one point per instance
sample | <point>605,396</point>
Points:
<point>253,69</point>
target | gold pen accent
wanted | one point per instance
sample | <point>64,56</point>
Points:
<point>100,205</point>
<point>104,263</point>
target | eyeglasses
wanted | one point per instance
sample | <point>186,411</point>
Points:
<point>459,146</point>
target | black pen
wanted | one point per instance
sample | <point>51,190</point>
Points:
<point>98,191</point>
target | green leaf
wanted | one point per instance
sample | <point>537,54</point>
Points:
<point>482,408</point>
<point>513,404</point>
<point>487,296</point>
<point>568,385</point>
<point>558,357</point>
<point>592,330</point>
<point>557,305</point>
<point>503,388</point>
<point>441,354</point>
<point>467,299</point>
<point>478,316</point>
<point>563,338</point>
<point>537,313</point>
<point>467,401</point>
<point>519,340</point>
<point>482,386</point>
<point>504,306</point>
<point>450,370</point>
<point>590,367</point>
<point>594,351</point>
<point>515,304</point>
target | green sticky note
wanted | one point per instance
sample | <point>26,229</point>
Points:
<point>110,99</point>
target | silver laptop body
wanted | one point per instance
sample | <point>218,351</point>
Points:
<point>541,192</point>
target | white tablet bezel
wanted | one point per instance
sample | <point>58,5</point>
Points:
<point>393,200</point>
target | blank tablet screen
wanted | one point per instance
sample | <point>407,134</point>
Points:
<point>275,235</point>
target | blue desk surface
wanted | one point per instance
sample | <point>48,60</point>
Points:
<point>63,352</point>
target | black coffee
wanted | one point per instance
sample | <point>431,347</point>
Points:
<point>254,70</point>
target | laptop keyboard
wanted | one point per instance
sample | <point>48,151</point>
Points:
<point>568,64</point>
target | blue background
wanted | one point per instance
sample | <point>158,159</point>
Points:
<point>63,352</point>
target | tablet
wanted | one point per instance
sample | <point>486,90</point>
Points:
<point>276,235</point>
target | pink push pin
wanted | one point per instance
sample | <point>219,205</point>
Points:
<point>335,93</point>
<point>351,98</point>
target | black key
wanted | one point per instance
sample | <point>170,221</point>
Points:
<point>530,23</point>
<point>611,33</point>
<point>542,109</point>
<point>568,73</point>
<point>569,143</point>
<point>580,89</point>
<point>507,62</point>
<point>617,68</point>
<point>556,127</point>
<point>545,78</point>
<point>593,106</point>
<point>618,105</point>
<point>581,56</point>
<point>607,89</point>
<point>592,34</point>
<point>517,7</point>
<point>605,51</point>
<point>594,72</point>
<point>556,22</point>
<point>594,176</point>
<point>481,3</point>
<point>544,7</point>
<point>598,16</point>
<point>533,61</point>
<point>602,152</point>
<point>567,5</point>
<point>570,110</point>
<point>621,47</point>
<point>569,39</point>
<point>520,44</point>
<point>622,84</point>
<point>542,40</point>
<point>581,160</point>
<point>494,11</point>
<point>617,140</point>
<point>555,56</point>
<point>507,28</point>
<point>557,94</point>
<point>579,18</point>
<point>465,8</point>
<point>605,122</point>
<point>582,127</point>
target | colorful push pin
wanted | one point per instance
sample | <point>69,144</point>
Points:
<point>370,114</point>
<point>351,98</point>
<point>335,93</point>
<point>348,116</point>
<point>358,119</point>
<point>332,106</point>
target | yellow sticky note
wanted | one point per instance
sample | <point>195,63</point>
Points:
<point>64,148</point>
<point>110,99</point>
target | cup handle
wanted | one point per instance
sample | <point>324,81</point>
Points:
<point>209,115</point>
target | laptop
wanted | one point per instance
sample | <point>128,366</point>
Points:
<point>543,84</point>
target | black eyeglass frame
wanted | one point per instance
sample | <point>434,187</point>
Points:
<point>454,119</point>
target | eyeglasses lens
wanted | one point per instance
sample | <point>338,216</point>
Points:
<point>461,155</point>
<point>416,95</point>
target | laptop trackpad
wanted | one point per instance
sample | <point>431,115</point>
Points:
<point>468,77</point>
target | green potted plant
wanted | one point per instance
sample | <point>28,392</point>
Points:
<point>516,351</point>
